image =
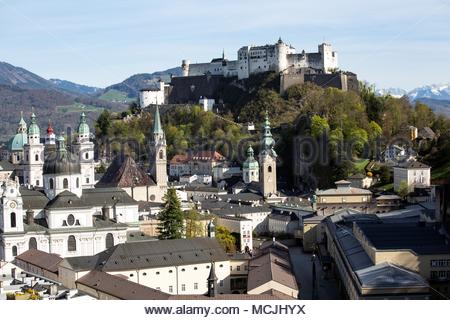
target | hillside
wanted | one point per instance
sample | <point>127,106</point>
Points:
<point>75,88</point>
<point>130,87</point>
<point>19,77</point>
<point>438,106</point>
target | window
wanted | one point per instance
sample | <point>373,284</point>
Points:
<point>78,182</point>
<point>238,268</point>
<point>32,244</point>
<point>36,157</point>
<point>70,220</point>
<point>144,274</point>
<point>13,220</point>
<point>170,289</point>
<point>221,283</point>
<point>131,275</point>
<point>269,169</point>
<point>14,251</point>
<point>50,182</point>
<point>170,271</point>
<point>65,183</point>
<point>109,240</point>
<point>161,155</point>
<point>183,270</point>
<point>195,286</point>
<point>157,272</point>
<point>183,287</point>
<point>231,268</point>
<point>87,180</point>
<point>86,155</point>
<point>37,182</point>
<point>71,244</point>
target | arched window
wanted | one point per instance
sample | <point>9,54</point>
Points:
<point>14,251</point>
<point>71,244</point>
<point>269,169</point>
<point>86,155</point>
<point>32,244</point>
<point>65,183</point>
<point>109,241</point>
<point>13,220</point>
<point>78,182</point>
<point>51,183</point>
<point>161,154</point>
<point>36,157</point>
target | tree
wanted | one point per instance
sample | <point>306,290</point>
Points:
<point>385,175</point>
<point>319,125</point>
<point>403,190</point>
<point>171,217</point>
<point>226,239</point>
<point>103,123</point>
<point>193,226</point>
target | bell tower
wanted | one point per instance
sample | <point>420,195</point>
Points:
<point>268,161</point>
<point>84,149</point>
<point>158,155</point>
<point>33,156</point>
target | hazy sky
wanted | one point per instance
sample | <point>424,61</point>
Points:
<point>390,43</point>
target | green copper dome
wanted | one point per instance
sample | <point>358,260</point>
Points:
<point>17,142</point>
<point>34,128</point>
<point>251,162</point>
<point>83,128</point>
<point>267,142</point>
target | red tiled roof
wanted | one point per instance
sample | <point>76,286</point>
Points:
<point>41,259</point>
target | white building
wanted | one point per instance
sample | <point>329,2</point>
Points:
<point>276,57</point>
<point>242,226</point>
<point>414,173</point>
<point>207,104</point>
<point>176,267</point>
<point>153,96</point>
<point>63,218</point>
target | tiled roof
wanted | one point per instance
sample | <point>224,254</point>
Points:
<point>413,165</point>
<point>124,173</point>
<point>120,288</point>
<point>41,259</point>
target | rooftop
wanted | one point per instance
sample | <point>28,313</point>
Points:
<point>41,259</point>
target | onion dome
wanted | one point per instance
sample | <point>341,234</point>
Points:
<point>250,162</point>
<point>267,142</point>
<point>61,162</point>
<point>83,127</point>
<point>17,142</point>
<point>50,129</point>
<point>34,128</point>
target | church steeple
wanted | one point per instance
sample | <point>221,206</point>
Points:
<point>212,282</point>
<point>267,161</point>
<point>158,160</point>
<point>22,128</point>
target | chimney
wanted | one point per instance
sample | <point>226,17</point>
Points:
<point>30,216</point>
<point>105,213</point>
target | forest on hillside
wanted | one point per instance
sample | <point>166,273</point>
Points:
<point>352,126</point>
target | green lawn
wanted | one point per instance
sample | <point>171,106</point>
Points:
<point>78,107</point>
<point>116,96</point>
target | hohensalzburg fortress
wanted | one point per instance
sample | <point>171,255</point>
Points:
<point>279,57</point>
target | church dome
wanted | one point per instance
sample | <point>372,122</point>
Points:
<point>33,128</point>
<point>17,142</point>
<point>61,162</point>
<point>250,162</point>
<point>83,127</point>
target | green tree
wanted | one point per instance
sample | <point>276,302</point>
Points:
<point>385,175</point>
<point>319,125</point>
<point>403,189</point>
<point>103,123</point>
<point>226,239</point>
<point>193,226</point>
<point>171,217</point>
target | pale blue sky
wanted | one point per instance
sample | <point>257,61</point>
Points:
<point>390,43</point>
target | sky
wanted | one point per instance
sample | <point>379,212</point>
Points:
<point>391,43</point>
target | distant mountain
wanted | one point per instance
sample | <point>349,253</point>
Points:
<point>19,77</point>
<point>61,101</point>
<point>131,86</point>
<point>438,106</point>
<point>395,92</point>
<point>75,88</point>
<point>435,92</point>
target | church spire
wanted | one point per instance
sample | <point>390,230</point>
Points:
<point>157,128</point>
<point>22,128</point>
<point>267,141</point>
<point>212,281</point>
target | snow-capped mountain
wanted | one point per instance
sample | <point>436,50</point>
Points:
<point>435,91</point>
<point>395,92</point>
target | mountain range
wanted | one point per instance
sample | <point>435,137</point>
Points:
<point>436,96</point>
